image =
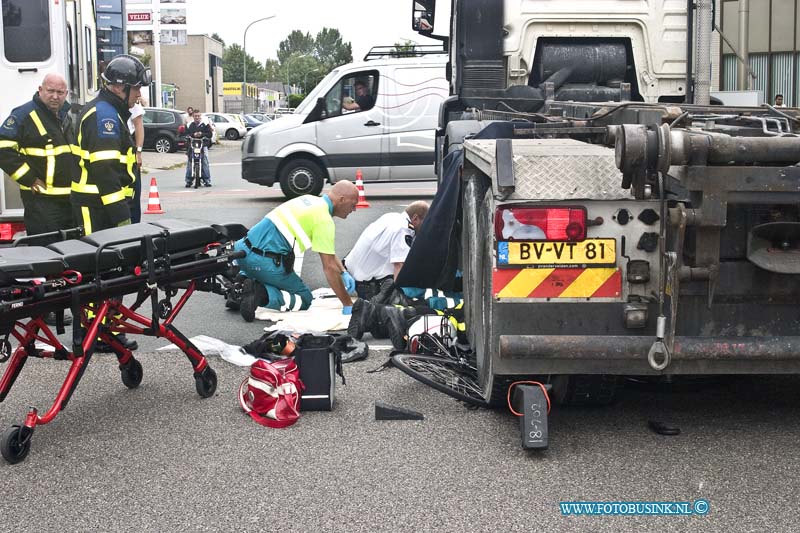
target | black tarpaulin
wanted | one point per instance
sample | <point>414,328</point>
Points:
<point>433,259</point>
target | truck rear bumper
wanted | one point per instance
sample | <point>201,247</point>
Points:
<point>597,354</point>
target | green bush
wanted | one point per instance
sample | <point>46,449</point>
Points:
<point>295,99</point>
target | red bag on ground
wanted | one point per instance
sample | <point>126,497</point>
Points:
<point>271,393</point>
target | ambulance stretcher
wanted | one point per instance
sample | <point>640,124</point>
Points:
<point>90,276</point>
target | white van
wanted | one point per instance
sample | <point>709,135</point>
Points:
<point>379,116</point>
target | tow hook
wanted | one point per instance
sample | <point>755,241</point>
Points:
<point>659,349</point>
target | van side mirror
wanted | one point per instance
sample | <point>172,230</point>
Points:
<point>422,16</point>
<point>319,112</point>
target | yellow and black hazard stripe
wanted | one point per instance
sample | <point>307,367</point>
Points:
<point>557,283</point>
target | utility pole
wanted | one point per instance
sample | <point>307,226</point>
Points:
<point>244,62</point>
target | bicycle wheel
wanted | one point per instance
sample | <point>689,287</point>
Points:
<point>445,375</point>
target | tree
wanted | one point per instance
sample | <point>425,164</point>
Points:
<point>296,66</point>
<point>404,49</point>
<point>302,58</point>
<point>331,51</point>
<point>295,100</point>
<point>272,70</point>
<point>216,36</point>
<point>296,43</point>
<point>232,66</point>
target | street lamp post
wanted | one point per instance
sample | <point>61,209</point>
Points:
<point>289,64</point>
<point>244,61</point>
<point>305,79</point>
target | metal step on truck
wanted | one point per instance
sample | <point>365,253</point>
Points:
<point>611,221</point>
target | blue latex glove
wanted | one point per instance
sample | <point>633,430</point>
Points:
<point>349,282</point>
<point>347,309</point>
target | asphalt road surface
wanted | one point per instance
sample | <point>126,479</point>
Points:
<point>160,458</point>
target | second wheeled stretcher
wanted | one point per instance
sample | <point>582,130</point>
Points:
<point>90,275</point>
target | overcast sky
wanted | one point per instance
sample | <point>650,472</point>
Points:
<point>364,23</point>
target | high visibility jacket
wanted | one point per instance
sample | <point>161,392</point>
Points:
<point>36,144</point>
<point>107,157</point>
<point>303,222</point>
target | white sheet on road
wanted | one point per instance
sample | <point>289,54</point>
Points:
<point>325,314</point>
<point>211,346</point>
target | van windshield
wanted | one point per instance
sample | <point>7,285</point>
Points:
<point>308,102</point>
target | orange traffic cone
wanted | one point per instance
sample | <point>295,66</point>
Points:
<point>153,202</point>
<point>362,198</point>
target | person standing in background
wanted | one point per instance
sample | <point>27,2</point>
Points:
<point>37,152</point>
<point>102,191</point>
<point>136,127</point>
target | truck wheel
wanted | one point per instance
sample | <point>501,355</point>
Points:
<point>477,263</point>
<point>231,134</point>
<point>164,145</point>
<point>301,176</point>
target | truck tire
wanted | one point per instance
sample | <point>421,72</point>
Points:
<point>301,176</point>
<point>476,251</point>
<point>453,140</point>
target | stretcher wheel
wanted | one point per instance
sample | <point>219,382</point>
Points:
<point>5,350</point>
<point>206,382</point>
<point>16,444</point>
<point>131,373</point>
<point>164,309</point>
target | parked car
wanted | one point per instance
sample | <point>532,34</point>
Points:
<point>251,122</point>
<point>228,125</point>
<point>163,129</point>
<point>261,117</point>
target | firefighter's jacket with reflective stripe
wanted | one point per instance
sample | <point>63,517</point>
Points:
<point>35,143</point>
<point>107,157</point>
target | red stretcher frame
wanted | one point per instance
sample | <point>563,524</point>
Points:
<point>100,319</point>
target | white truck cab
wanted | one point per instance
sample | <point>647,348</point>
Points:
<point>378,116</point>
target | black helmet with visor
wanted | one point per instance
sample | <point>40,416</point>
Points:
<point>126,70</point>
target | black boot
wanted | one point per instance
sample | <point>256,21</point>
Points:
<point>365,319</point>
<point>102,347</point>
<point>254,294</point>
<point>394,321</point>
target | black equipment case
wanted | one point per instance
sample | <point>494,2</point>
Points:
<point>318,364</point>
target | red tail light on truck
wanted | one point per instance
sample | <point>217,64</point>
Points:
<point>515,223</point>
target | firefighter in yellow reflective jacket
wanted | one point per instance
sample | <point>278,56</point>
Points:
<point>37,150</point>
<point>103,187</point>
